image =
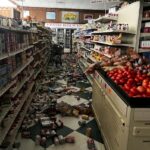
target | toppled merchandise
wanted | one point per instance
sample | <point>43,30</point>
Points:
<point>91,144</point>
<point>44,108</point>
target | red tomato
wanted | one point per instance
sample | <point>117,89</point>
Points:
<point>129,76</point>
<point>141,89</point>
<point>146,81</point>
<point>120,71</point>
<point>113,78</point>
<point>122,81</point>
<point>116,81</point>
<point>130,81</point>
<point>127,87</point>
<point>148,90</point>
<point>134,90</point>
<point>144,75</point>
<point>131,94</point>
<point>140,78</point>
<point>145,84</point>
<point>110,75</point>
<point>136,79</point>
<point>118,78</point>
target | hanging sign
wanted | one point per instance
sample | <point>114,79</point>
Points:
<point>62,25</point>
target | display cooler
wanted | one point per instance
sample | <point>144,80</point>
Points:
<point>124,121</point>
<point>65,36</point>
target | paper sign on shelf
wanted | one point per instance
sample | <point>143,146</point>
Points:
<point>62,25</point>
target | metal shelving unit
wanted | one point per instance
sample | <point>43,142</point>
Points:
<point>22,84</point>
<point>86,48</point>
<point>22,115</point>
<point>124,126</point>
<point>141,35</point>
<point>105,19</point>
<point>110,44</point>
<point>14,115</point>
<point>5,115</point>
<point>109,56</point>
<point>113,31</point>
<point>20,69</point>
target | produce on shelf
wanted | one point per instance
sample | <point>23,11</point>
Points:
<point>114,57</point>
<point>112,27</point>
<point>97,56</point>
<point>112,39</point>
<point>96,38</point>
<point>134,78</point>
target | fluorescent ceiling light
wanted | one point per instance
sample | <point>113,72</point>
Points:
<point>60,1</point>
<point>7,3</point>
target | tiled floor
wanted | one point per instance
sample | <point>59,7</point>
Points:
<point>27,144</point>
<point>71,126</point>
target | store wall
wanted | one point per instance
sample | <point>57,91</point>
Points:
<point>39,14</point>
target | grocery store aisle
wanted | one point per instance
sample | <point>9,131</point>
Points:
<point>73,93</point>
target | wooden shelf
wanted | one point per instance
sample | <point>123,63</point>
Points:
<point>86,35</point>
<point>37,42</point>
<point>86,48</point>
<point>83,67</point>
<point>12,137</point>
<point>37,63</point>
<point>43,48</point>
<point>40,51</point>
<point>6,88</point>
<point>16,29</point>
<point>101,53</point>
<point>105,19</point>
<point>5,110</point>
<point>146,4</point>
<point>92,59</point>
<point>142,50</point>
<point>88,42</point>
<point>3,56</point>
<point>37,73</point>
<point>20,51</point>
<point>145,35</point>
<point>22,84</point>
<point>105,43</point>
<point>113,31</point>
<point>12,118</point>
<point>84,62</point>
<point>20,69</point>
<point>89,29</point>
<point>146,19</point>
<point>26,99</point>
<point>95,50</point>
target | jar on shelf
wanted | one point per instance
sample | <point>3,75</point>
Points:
<point>146,30</point>
<point>4,22</point>
<point>146,14</point>
<point>1,21</point>
<point>10,22</point>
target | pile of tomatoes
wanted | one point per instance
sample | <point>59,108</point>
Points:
<point>134,83</point>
